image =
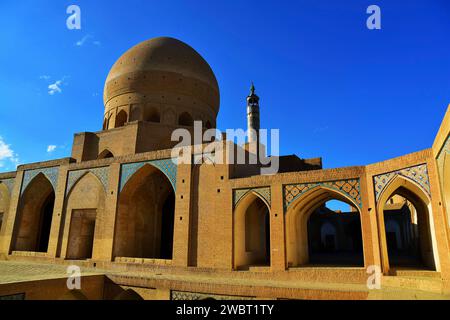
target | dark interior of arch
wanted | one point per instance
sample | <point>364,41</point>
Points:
<point>335,237</point>
<point>35,216</point>
<point>408,236</point>
<point>146,214</point>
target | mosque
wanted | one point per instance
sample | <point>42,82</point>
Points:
<point>143,225</point>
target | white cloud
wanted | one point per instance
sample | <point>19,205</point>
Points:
<point>51,148</point>
<point>7,155</point>
<point>55,87</point>
<point>44,77</point>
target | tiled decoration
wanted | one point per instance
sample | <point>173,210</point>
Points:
<point>441,156</point>
<point>418,174</point>
<point>167,166</point>
<point>101,173</point>
<point>50,173</point>
<point>264,192</point>
<point>350,188</point>
<point>181,295</point>
<point>9,183</point>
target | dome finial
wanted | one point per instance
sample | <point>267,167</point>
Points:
<point>252,89</point>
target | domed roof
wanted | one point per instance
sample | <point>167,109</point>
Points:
<point>143,65</point>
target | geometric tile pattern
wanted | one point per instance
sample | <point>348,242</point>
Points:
<point>101,173</point>
<point>50,173</point>
<point>181,295</point>
<point>418,174</point>
<point>9,183</point>
<point>264,192</point>
<point>351,188</point>
<point>167,166</point>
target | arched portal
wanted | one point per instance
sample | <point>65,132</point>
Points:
<point>4,203</point>
<point>145,218</point>
<point>251,232</point>
<point>85,202</point>
<point>35,213</point>
<point>319,235</point>
<point>406,227</point>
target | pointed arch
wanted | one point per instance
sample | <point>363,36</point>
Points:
<point>414,193</point>
<point>297,217</point>
<point>32,229</point>
<point>185,119</point>
<point>84,203</point>
<point>153,115</point>
<point>145,216</point>
<point>105,154</point>
<point>121,119</point>
<point>251,232</point>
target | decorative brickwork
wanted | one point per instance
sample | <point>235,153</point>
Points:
<point>263,192</point>
<point>350,188</point>
<point>418,174</point>
<point>50,173</point>
<point>167,166</point>
<point>100,173</point>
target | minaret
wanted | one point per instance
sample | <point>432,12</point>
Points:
<point>253,123</point>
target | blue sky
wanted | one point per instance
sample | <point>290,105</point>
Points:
<point>334,88</point>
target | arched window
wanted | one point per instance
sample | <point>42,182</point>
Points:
<point>121,119</point>
<point>105,154</point>
<point>185,119</point>
<point>153,116</point>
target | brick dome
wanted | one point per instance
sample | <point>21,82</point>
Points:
<point>167,73</point>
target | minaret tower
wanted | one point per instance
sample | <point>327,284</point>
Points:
<point>253,122</point>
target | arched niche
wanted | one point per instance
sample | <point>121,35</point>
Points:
<point>185,119</point>
<point>251,225</point>
<point>84,204</point>
<point>303,232</point>
<point>145,216</point>
<point>121,119</point>
<point>34,219</point>
<point>426,256</point>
